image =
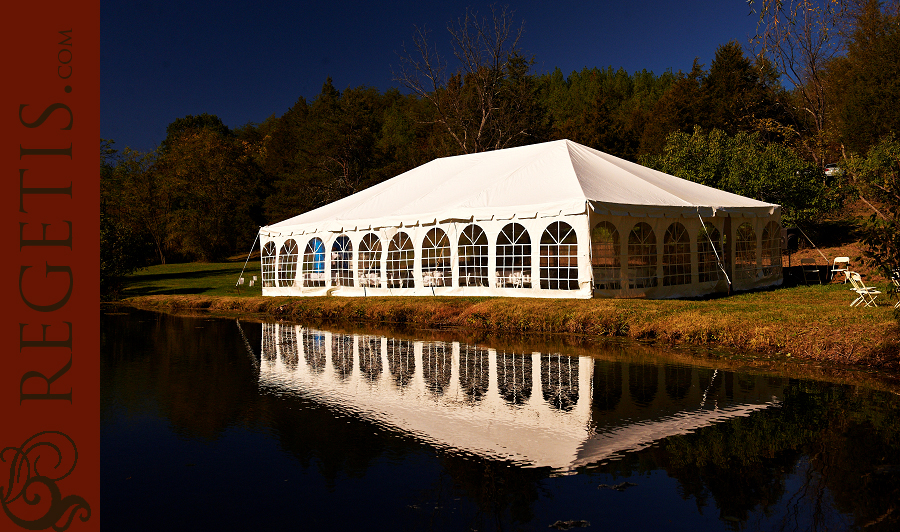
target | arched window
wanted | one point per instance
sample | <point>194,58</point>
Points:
<point>287,263</point>
<point>400,262</point>
<point>473,257</point>
<point>676,256</point>
<point>771,249</point>
<point>709,253</point>
<point>642,257</point>
<point>436,269</point>
<point>370,261</point>
<point>559,257</point>
<point>268,264</point>
<point>513,257</point>
<point>605,260</point>
<point>745,252</point>
<point>342,261</point>
<point>314,263</point>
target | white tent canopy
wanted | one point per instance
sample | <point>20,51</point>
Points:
<point>542,179</point>
<point>529,185</point>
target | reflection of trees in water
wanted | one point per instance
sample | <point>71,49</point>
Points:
<point>643,380</point>
<point>342,354</point>
<point>437,364</point>
<point>559,380</point>
<point>473,371</point>
<point>838,445</point>
<point>287,342</point>
<point>401,361</point>
<point>370,357</point>
<point>746,382</point>
<point>607,385</point>
<point>678,380</point>
<point>514,377</point>
<point>314,349</point>
<point>269,354</point>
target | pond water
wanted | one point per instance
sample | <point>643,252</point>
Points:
<point>220,424</point>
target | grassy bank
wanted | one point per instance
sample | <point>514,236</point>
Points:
<point>807,322</point>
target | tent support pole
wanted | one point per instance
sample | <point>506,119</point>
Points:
<point>718,260</point>
<point>248,258</point>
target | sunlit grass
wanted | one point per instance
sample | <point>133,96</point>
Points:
<point>813,322</point>
<point>208,279</point>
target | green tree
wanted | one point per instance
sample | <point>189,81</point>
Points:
<point>744,164</point>
<point>876,176</point>
<point>866,82</point>
<point>207,175</point>
<point>738,94</point>
<point>678,109</point>
<point>124,246</point>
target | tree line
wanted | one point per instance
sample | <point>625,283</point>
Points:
<point>203,193</point>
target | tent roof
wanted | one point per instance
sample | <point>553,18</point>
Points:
<point>547,179</point>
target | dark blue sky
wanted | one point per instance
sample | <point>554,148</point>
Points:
<point>245,61</point>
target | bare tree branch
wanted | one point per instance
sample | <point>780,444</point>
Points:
<point>469,103</point>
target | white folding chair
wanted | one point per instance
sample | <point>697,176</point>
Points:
<point>895,289</point>
<point>865,294</point>
<point>840,265</point>
<point>810,270</point>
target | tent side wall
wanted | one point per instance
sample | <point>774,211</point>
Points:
<point>683,256</point>
<point>564,256</point>
<point>524,257</point>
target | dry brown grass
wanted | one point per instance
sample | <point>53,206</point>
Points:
<point>813,323</point>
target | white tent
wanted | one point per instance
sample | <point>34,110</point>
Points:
<point>556,219</point>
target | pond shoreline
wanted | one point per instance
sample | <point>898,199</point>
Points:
<point>767,325</point>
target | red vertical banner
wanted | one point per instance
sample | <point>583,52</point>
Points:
<point>50,366</point>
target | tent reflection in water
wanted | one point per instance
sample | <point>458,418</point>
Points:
<point>556,219</point>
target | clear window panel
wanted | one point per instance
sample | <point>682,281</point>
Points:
<point>676,256</point>
<point>314,263</point>
<point>268,264</point>
<point>436,268</point>
<point>559,257</point>
<point>513,257</point>
<point>400,262</point>
<point>287,263</point>
<point>642,257</point>
<point>709,253</point>
<point>370,261</point>
<point>605,257</point>
<point>473,257</point>
<point>771,249</point>
<point>745,252</point>
<point>342,261</point>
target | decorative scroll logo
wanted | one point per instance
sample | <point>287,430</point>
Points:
<point>31,498</point>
